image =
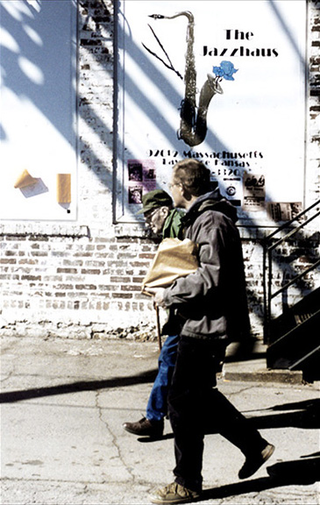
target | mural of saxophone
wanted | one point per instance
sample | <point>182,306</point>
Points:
<point>193,119</point>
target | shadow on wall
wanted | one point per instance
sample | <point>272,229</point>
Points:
<point>27,37</point>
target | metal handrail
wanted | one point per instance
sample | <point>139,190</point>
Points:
<point>295,279</point>
<point>288,223</point>
<point>267,263</point>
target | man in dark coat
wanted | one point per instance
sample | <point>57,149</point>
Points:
<point>213,303</point>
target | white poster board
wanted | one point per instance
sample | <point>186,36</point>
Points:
<point>251,129</point>
<point>38,158</point>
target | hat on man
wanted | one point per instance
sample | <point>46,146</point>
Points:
<point>154,200</point>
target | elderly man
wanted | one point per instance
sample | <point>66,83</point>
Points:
<point>159,214</point>
<point>164,221</point>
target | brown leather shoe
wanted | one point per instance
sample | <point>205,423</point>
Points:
<point>253,463</point>
<point>145,428</point>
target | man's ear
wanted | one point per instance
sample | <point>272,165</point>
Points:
<point>185,193</point>
<point>164,211</point>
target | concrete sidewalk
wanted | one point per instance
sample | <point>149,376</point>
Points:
<point>62,441</point>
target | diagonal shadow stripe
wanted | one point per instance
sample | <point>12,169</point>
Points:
<point>77,387</point>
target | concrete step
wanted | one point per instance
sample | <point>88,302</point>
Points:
<point>252,367</point>
<point>256,371</point>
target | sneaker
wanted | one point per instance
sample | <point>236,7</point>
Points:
<point>253,463</point>
<point>174,493</point>
<point>145,428</point>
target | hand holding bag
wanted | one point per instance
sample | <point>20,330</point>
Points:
<point>174,258</point>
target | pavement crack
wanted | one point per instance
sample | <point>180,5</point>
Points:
<point>8,375</point>
<point>114,441</point>
<point>242,390</point>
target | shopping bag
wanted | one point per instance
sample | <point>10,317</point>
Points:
<point>174,258</point>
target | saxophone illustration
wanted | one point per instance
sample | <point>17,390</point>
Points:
<point>193,122</point>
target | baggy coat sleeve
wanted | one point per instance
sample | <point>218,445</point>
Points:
<point>213,299</point>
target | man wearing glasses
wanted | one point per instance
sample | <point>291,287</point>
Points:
<point>213,302</point>
<point>160,216</point>
<point>164,221</point>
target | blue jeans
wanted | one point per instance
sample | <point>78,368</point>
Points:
<point>157,403</point>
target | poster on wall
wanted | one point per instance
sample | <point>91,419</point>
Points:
<point>38,158</point>
<point>220,82</point>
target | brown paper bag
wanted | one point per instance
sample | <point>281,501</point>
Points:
<point>174,258</point>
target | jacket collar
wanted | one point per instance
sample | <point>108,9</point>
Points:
<point>210,201</point>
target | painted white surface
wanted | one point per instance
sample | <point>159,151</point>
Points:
<point>38,106</point>
<point>258,123</point>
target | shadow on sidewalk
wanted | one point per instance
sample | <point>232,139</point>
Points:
<point>306,415</point>
<point>281,474</point>
<point>78,387</point>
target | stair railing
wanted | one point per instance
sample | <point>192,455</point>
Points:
<point>268,247</point>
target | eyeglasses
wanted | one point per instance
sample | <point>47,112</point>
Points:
<point>170,186</point>
<point>148,217</point>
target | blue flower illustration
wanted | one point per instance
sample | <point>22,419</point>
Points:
<point>226,70</point>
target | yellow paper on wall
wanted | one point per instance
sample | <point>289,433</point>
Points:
<point>64,188</point>
<point>24,180</point>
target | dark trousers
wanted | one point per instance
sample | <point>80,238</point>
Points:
<point>196,407</point>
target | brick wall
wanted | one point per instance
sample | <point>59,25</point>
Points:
<point>72,286</point>
<point>313,122</point>
<point>83,279</point>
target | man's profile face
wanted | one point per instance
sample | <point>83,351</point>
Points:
<point>155,219</point>
<point>175,188</point>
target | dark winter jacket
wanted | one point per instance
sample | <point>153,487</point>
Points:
<point>212,300</point>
